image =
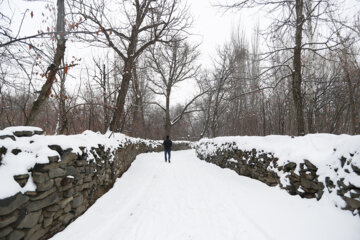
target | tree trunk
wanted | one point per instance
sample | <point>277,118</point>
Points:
<point>115,124</point>
<point>59,55</point>
<point>105,106</point>
<point>138,127</point>
<point>297,78</point>
<point>353,125</point>
<point>167,116</point>
<point>63,121</point>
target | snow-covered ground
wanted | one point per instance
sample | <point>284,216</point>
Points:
<point>192,199</point>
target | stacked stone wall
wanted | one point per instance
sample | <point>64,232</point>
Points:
<point>65,188</point>
<point>302,180</point>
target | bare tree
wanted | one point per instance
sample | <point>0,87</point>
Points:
<point>129,28</point>
<point>291,18</point>
<point>170,65</point>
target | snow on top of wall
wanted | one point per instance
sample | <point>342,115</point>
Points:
<point>322,150</point>
<point>317,148</point>
<point>12,130</point>
<point>34,149</point>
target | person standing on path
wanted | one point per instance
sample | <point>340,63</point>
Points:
<point>167,148</point>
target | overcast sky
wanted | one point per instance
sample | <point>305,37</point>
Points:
<point>212,27</point>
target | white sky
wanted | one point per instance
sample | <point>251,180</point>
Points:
<point>212,27</point>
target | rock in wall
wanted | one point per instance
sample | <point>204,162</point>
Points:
<point>66,186</point>
<point>296,178</point>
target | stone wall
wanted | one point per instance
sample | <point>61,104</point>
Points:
<point>65,188</point>
<point>301,179</point>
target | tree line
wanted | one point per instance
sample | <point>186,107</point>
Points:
<point>300,75</point>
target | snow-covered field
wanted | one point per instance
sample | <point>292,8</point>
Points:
<point>192,199</point>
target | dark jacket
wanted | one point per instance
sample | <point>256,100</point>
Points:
<point>167,144</point>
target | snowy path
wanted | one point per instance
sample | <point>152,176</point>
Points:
<point>192,199</point>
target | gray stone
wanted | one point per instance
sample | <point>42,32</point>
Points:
<point>53,159</point>
<point>72,171</point>
<point>80,210</point>
<point>77,201</point>
<point>5,231</point>
<point>49,214</point>
<point>21,179</point>
<point>16,235</point>
<point>51,199</point>
<point>36,234</point>
<point>40,177</point>
<point>87,178</point>
<point>342,161</point>
<point>67,208</point>
<point>45,167</point>
<point>45,186</point>
<point>43,194</point>
<point>289,166</point>
<point>80,163</point>
<point>31,193</point>
<point>65,219</point>
<point>58,182</point>
<point>69,193</point>
<point>68,157</point>
<point>310,166</point>
<point>354,204</point>
<point>355,169</point>
<point>31,231</point>
<point>8,205</point>
<point>23,133</point>
<point>8,220</point>
<point>7,136</point>
<point>53,208</point>
<point>58,214</point>
<point>30,220</point>
<point>310,176</point>
<point>47,222</point>
<point>16,151</point>
<point>56,172</point>
<point>64,202</point>
<point>308,185</point>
